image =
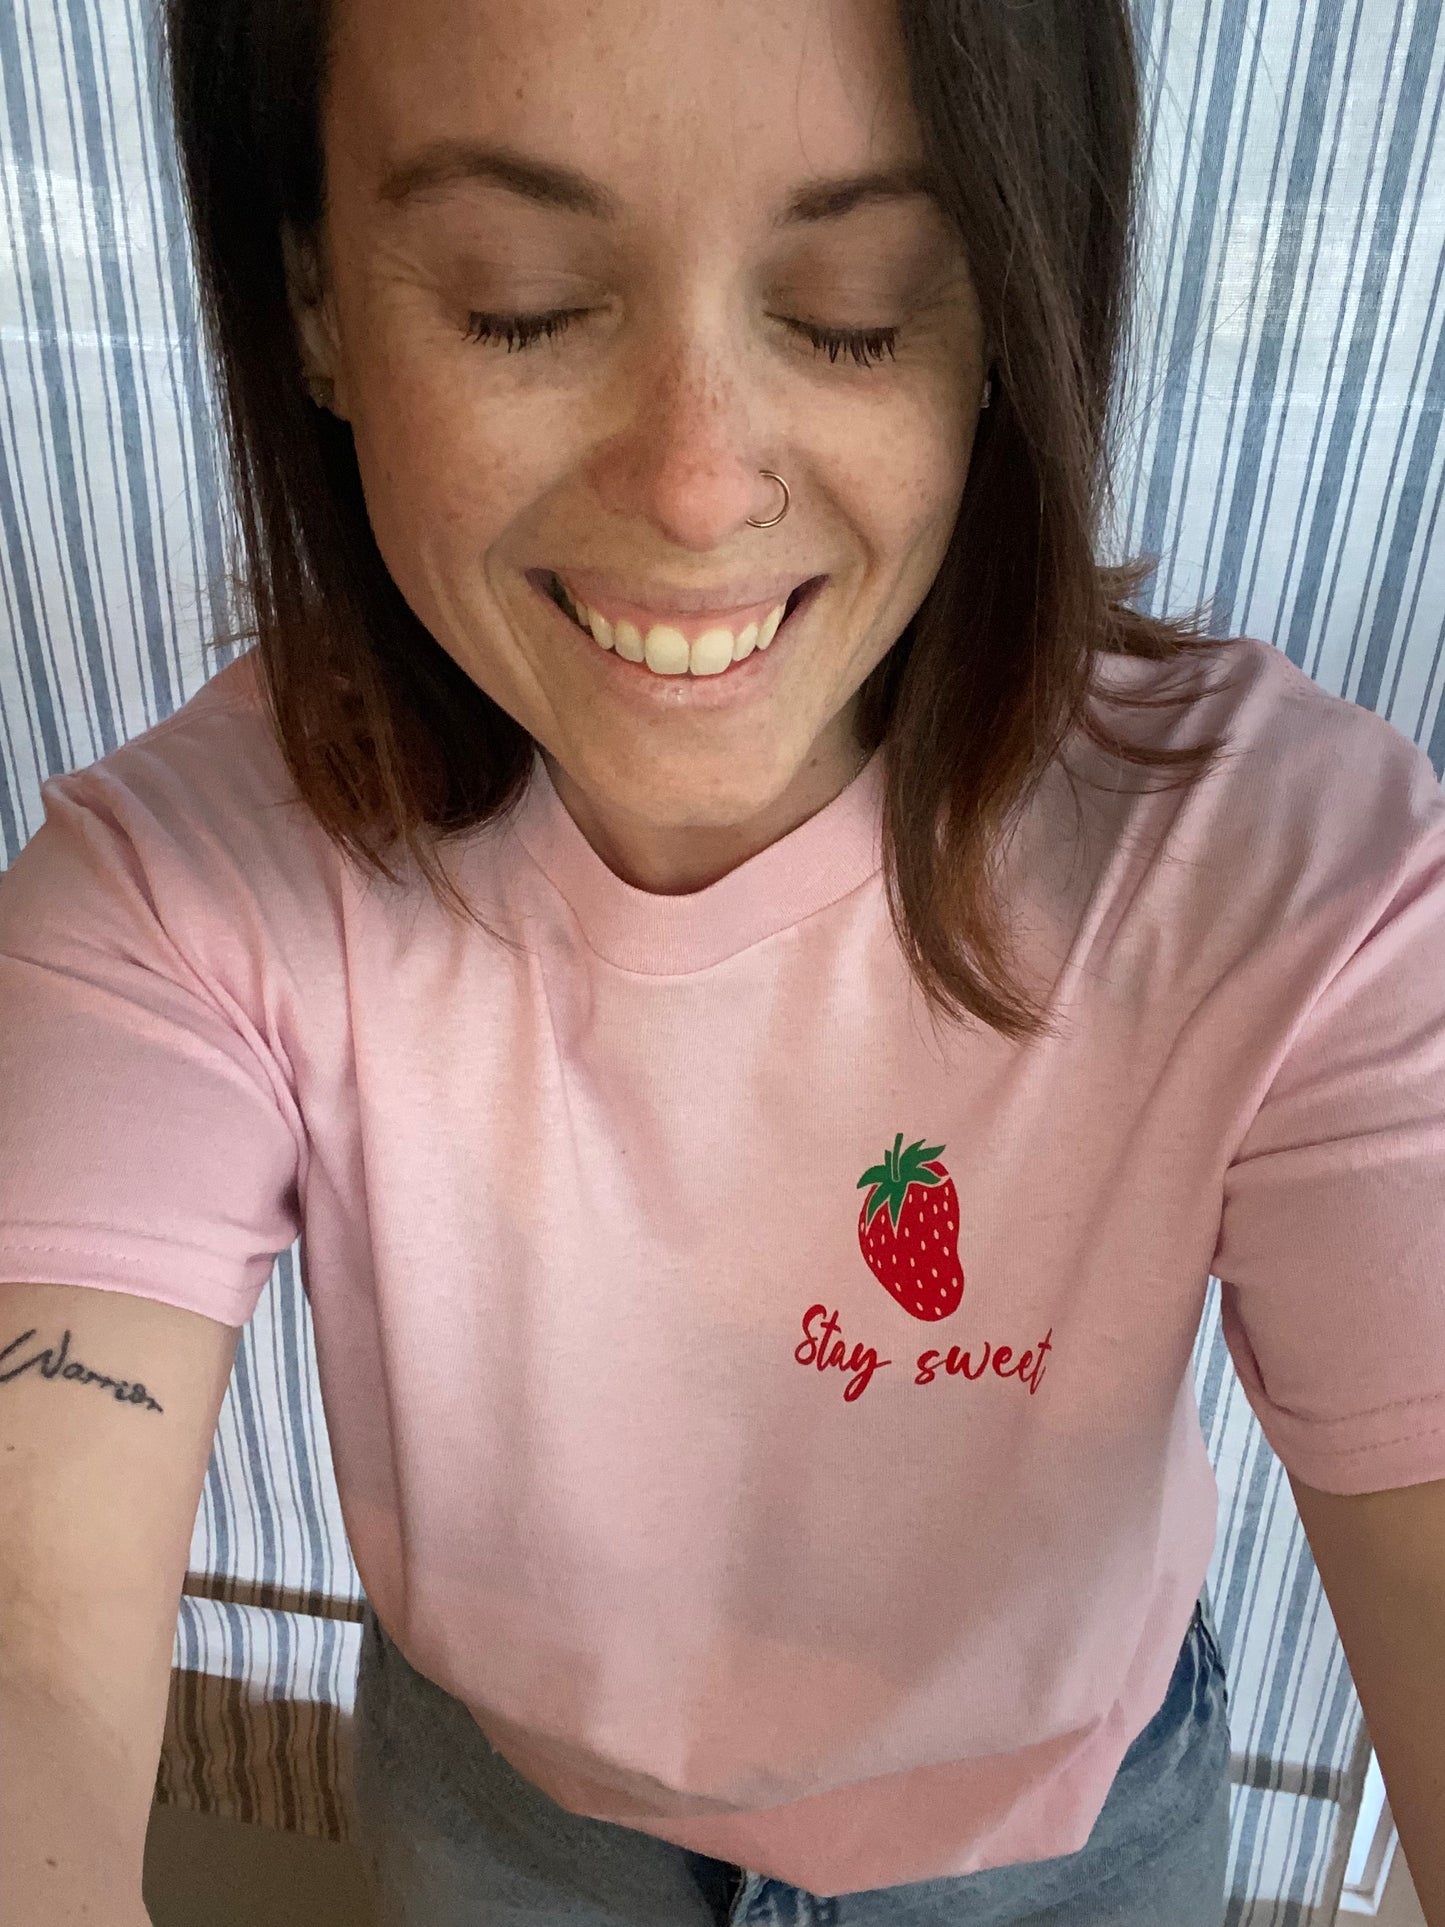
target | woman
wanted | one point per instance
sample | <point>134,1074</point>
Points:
<point>671,452</point>
<point>662,430</point>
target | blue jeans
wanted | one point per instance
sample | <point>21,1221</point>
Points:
<point>453,1836</point>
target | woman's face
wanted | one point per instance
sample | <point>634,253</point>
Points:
<point>636,163</point>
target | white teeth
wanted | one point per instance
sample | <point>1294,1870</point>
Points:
<point>665,649</point>
<point>712,653</point>
<point>629,641</point>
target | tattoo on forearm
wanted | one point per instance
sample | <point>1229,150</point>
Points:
<point>53,1364</point>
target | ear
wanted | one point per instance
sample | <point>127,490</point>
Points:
<point>309,298</point>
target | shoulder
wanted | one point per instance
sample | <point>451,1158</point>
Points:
<point>1289,745</point>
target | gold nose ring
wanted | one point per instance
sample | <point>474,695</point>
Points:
<point>787,497</point>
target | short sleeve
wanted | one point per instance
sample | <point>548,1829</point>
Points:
<point>148,1140</point>
<point>1331,1252</point>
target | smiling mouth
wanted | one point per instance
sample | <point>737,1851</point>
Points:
<point>675,654</point>
<point>558,594</point>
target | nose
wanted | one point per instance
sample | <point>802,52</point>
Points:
<point>686,461</point>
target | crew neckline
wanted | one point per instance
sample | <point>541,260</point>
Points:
<point>822,860</point>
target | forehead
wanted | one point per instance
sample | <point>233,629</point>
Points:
<point>645,93</point>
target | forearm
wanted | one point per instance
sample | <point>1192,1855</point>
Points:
<point>1394,1638</point>
<point>1415,1785</point>
<point>74,1809</point>
<point>1381,1556</point>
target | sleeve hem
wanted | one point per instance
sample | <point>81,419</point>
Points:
<point>219,1299</point>
<point>1384,1461</point>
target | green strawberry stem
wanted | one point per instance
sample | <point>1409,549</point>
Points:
<point>894,1175</point>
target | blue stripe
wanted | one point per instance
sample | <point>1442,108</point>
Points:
<point>296,1366</point>
<point>1430,667</point>
<point>1362,580</point>
<point>1322,415</point>
<point>210,489</point>
<point>106,253</point>
<point>1304,298</point>
<point>1403,130</point>
<point>21,598</point>
<point>176,403</point>
<point>69,335</point>
<point>45,336</point>
<point>1223,81</point>
<point>1263,392</point>
<point>1409,388</point>
<point>1384,634</point>
<point>264,1520</point>
<point>1158,383</point>
<point>1205,350</point>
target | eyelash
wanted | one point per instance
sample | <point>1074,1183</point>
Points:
<point>867,347</point>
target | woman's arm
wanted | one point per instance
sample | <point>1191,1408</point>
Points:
<point>1381,1560</point>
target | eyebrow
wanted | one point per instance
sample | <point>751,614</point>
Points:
<point>446,164</point>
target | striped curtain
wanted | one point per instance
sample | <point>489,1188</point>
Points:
<point>1282,452</point>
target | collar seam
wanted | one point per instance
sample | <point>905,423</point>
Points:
<point>672,976</point>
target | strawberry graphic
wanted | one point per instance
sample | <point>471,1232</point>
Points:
<point>908,1230</point>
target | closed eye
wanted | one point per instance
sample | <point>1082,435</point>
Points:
<point>867,347</point>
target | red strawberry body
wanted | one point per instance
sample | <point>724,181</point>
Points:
<point>908,1230</point>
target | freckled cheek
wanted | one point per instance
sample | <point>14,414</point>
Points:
<point>905,498</point>
<point>441,481</point>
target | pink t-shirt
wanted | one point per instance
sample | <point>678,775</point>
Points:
<point>845,1531</point>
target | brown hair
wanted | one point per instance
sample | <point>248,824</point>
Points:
<point>1031,116</point>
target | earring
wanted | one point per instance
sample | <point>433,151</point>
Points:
<point>987,401</point>
<point>321,390</point>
